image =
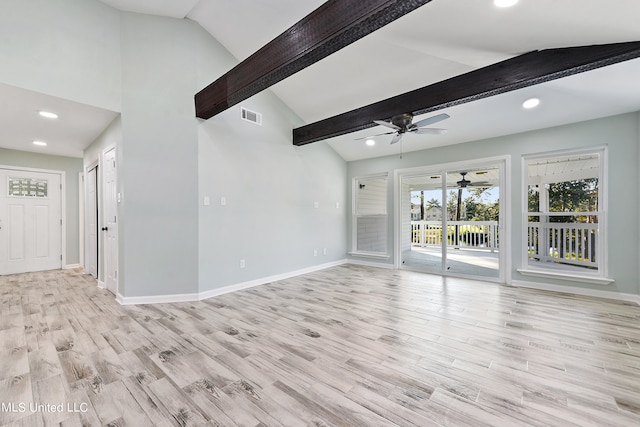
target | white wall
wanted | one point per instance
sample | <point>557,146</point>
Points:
<point>619,133</point>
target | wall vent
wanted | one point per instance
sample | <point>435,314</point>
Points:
<point>251,116</point>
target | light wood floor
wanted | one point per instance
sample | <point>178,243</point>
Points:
<point>347,346</point>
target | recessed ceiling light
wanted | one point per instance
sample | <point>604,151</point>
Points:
<point>40,143</point>
<point>531,103</point>
<point>370,142</point>
<point>48,115</point>
<point>505,3</point>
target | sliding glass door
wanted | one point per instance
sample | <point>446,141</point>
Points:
<point>451,221</point>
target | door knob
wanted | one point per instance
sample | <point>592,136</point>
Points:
<point>105,228</point>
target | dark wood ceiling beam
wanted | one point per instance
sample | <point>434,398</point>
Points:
<point>334,25</point>
<point>525,70</point>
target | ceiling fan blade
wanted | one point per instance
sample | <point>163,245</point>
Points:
<point>429,131</point>
<point>430,120</point>
<point>373,136</point>
<point>387,124</point>
<point>481,184</point>
<point>396,138</point>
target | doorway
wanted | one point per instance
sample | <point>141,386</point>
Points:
<point>101,241</point>
<point>450,220</point>
<point>31,225</point>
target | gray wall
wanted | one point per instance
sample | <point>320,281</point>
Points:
<point>271,190</point>
<point>158,174</point>
<point>170,243</point>
<point>72,167</point>
<point>619,133</point>
<point>65,48</point>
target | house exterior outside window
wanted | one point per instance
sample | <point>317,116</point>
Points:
<point>564,214</point>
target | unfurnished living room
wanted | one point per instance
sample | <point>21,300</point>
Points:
<point>310,213</point>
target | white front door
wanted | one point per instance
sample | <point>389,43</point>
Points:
<point>110,227</point>
<point>30,221</point>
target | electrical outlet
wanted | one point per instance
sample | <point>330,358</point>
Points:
<point>316,205</point>
<point>315,252</point>
<point>223,201</point>
<point>324,251</point>
<point>243,264</point>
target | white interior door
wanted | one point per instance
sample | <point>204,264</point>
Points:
<point>30,221</point>
<point>92,223</point>
<point>110,226</point>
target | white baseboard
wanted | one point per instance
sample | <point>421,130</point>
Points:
<point>159,299</point>
<point>101,284</point>
<point>71,266</point>
<point>577,291</point>
<point>265,280</point>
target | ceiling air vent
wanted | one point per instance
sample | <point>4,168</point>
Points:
<point>251,116</point>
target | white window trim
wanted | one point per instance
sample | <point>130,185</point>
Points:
<point>601,277</point>
<point>571,276</point>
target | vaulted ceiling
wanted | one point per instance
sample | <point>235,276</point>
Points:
<point>437,41</point>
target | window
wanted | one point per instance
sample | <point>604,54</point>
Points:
<point>564,231</point>
<point>370,216</point>
<point>27,187</point>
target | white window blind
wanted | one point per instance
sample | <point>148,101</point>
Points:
<point>370,196</point>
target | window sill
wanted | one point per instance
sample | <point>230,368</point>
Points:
<point>370,255</point>
<point>596,280</point>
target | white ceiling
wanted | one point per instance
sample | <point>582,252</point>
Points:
<point>439,40</point>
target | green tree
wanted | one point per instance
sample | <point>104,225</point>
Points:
<point>432,204</point>
<point>478,208</point>
<point>452,205</point>
<point>573,196</point>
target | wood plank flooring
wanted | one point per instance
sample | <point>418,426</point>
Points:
<point>346,346</point>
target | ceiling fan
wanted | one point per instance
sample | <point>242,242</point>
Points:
<point>464,182</point>
<point>403,123</point>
